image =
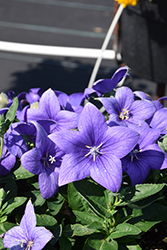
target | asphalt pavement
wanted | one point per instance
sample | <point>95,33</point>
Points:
<point>76,23</point>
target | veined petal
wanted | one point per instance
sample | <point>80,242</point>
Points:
<point>119,141</point>
<point>66,120</point>
<point>41,236</point>
<point>92,123</point>
<point>69,141</point>
<point>107,171</point>
<point>48,184</point>
<point>111,105</point>
<point>49,104</point>
<point>125,97</point>
<point>138,170</point>
<point>28,221</point>
<point>74,167</point>
<point>154,155</point>
<point>31,160</point>
<point>142,109</point>
<point>159,119</point>
<point>13,237</point>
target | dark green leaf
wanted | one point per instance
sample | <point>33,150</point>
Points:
<point>141,191</point>
<point>94,195</point>
<point>98,242</point>
<point>87,218</point>
<point>123,230</point>
<point>77,230</point>
<point>55,203</point>
<point>64,243</point>
<point>11,204</point>
<point>46,221</point>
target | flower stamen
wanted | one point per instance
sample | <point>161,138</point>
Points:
<point>94,151</point>
<point>124,115</point>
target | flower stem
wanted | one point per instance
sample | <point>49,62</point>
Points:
<point>105,43</point>
<point>1,147</point>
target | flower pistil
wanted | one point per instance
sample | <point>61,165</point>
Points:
<point>94,151</point>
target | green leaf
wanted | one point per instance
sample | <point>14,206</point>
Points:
<point>46,221</point>
<point>87,218</point>
<point>4,227</point>
<point>1,245</point>
<point>22,173</point>
<point>36,197</point>
<point>55,203</point>
<point>146,218</point>
<point>94,195</point>
<point>11,189</point>
<point>140,192</point>
<point>11,204</point>
<point>64,243</point>
<point>77,201</point>
<point>10,115</point>
<point>97,242</point>
<point>124,229</point>
<point>77,230</point>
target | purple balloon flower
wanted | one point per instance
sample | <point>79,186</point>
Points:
<point>19,138</point>
<point>27,235</point>
<point>7,161</point>
<point>106,85</point>
<point>123,108</point>
<point>94,150</point>
<point>145,155</point>
<point>49,113</point>
<point>44,160</point>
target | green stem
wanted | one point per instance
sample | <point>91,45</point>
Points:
<point>1,147</point>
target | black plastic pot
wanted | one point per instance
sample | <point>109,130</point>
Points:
<point>143,36</point>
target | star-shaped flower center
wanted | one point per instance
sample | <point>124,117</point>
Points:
<point>124,115</point>
<point>47,160</point>
<point>94,151</point>
<point>27,245</point>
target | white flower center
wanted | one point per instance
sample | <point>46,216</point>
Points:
<point>94,151</point>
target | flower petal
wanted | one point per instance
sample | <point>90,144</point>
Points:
<point>107,171</point>
<point>74,167</point>
<point>13,237</point>
<point>28,221</point>
<point>41,236</point>
<point>48,184</point>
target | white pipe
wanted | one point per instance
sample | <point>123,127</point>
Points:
<point>55,50</point>
<point>105,43</point>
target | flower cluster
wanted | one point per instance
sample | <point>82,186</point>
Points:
<point>59,140</point>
